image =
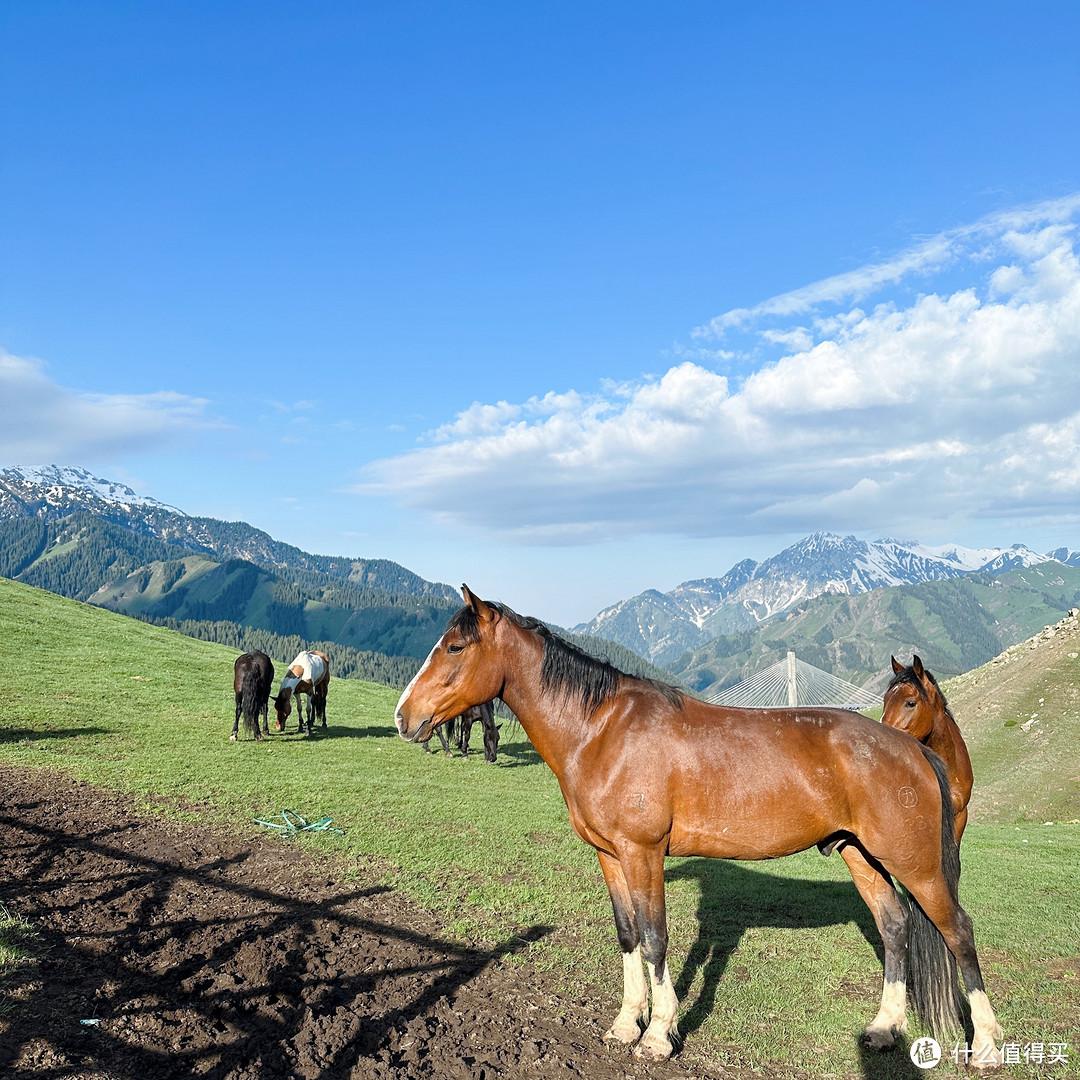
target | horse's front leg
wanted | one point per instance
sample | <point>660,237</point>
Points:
<point>442,738</point>
<point>643,867</point>
<point>635,1002</point>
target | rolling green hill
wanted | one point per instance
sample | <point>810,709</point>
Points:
<point>140,709</point>
<point>954,625</point>
<point>89,558</point>
<point>345,609</point>
<point>1020,715</point>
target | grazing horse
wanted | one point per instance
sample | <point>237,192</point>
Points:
<point>647,771</point>
<point>253,675</point>
<point>308,674</point>
<point>914,703</point>
<point>461,726</point>
<point>445,733</point>
<point>486,715</point>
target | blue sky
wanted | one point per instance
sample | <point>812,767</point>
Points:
<point>452,284</point>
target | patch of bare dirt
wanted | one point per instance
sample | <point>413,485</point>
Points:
<point>203,955</point>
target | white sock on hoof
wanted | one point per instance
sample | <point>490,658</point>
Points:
<point>635,1000</point>
<point>656,1042</point>
<point>891,1016</point>
<point>984,1051</point>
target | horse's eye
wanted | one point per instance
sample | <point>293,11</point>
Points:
<point>453,650</point>
<point>909,704</point>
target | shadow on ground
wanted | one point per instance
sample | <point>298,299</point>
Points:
<point>199,954</point>
<point>201,968</point>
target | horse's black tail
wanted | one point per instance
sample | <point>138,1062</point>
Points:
<point>249,700</point>
<point>932,978</point>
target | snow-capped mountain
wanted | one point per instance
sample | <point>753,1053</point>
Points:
<point>1066,555</point>
<point>52,492</point>
<point>662,626</point>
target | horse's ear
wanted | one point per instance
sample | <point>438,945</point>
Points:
<point>481,609</point>
<point>916,665</point>
<point>896,665</point>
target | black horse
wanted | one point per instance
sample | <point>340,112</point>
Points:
<point>253,675</point>
<point>486,715</point>
<point>459,730</point>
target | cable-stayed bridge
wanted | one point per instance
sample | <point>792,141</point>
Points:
<point>792,681</point>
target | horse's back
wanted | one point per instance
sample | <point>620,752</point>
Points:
<point>749,783</point>
<point>310,666</point>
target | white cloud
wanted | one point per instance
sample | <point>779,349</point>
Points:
<point>45,422</point>
<point>977,241</point>
<point>797,338</point>
<point>960,403</point>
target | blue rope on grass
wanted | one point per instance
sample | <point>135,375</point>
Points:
<point>292,824</point>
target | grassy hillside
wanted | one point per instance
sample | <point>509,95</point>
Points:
<point>955,625</point>
<point>89,558</point>
<point>1020,715</point>
<point>346,607</point>
<point>774,961</point>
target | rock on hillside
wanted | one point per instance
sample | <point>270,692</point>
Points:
<point>1020,714</point>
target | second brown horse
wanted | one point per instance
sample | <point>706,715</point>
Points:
<point>914,703</point>
<point>648,772</point>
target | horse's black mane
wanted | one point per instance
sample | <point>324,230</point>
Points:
<point>566,669</point>
<point>908,676</point>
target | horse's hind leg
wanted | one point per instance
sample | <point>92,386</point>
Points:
<point>236,721</point>
<point>643,867</point>
<point>941,907</point>
<point>635,1002</point>
<point>876,889</point>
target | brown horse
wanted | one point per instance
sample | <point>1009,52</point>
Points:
<point>914,703</point>
<point>308,674</point>
<point>647,772</point>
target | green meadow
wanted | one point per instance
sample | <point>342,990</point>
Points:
<point>775,962</point>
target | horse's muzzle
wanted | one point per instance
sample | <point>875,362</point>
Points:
<point>421,732</point>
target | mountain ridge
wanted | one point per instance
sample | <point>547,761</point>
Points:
<point>663,626</point>
<point>73,533</point>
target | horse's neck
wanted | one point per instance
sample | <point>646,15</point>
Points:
<point>554,735</point>
<point>947,742</point>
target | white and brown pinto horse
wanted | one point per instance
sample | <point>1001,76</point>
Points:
<point>308,674</point>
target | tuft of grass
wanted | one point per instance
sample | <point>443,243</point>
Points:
<point>17,940</point>
<point>19,945</point>
<point>775,962</point>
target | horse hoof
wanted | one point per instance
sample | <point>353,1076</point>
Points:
<point>622,1031</point>
<point>653,1048</point>
<point>879,1038</point>
<point>232,737</point>
<point>986,1056</point>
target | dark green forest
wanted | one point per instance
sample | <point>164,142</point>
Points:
<point>380,632</point>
